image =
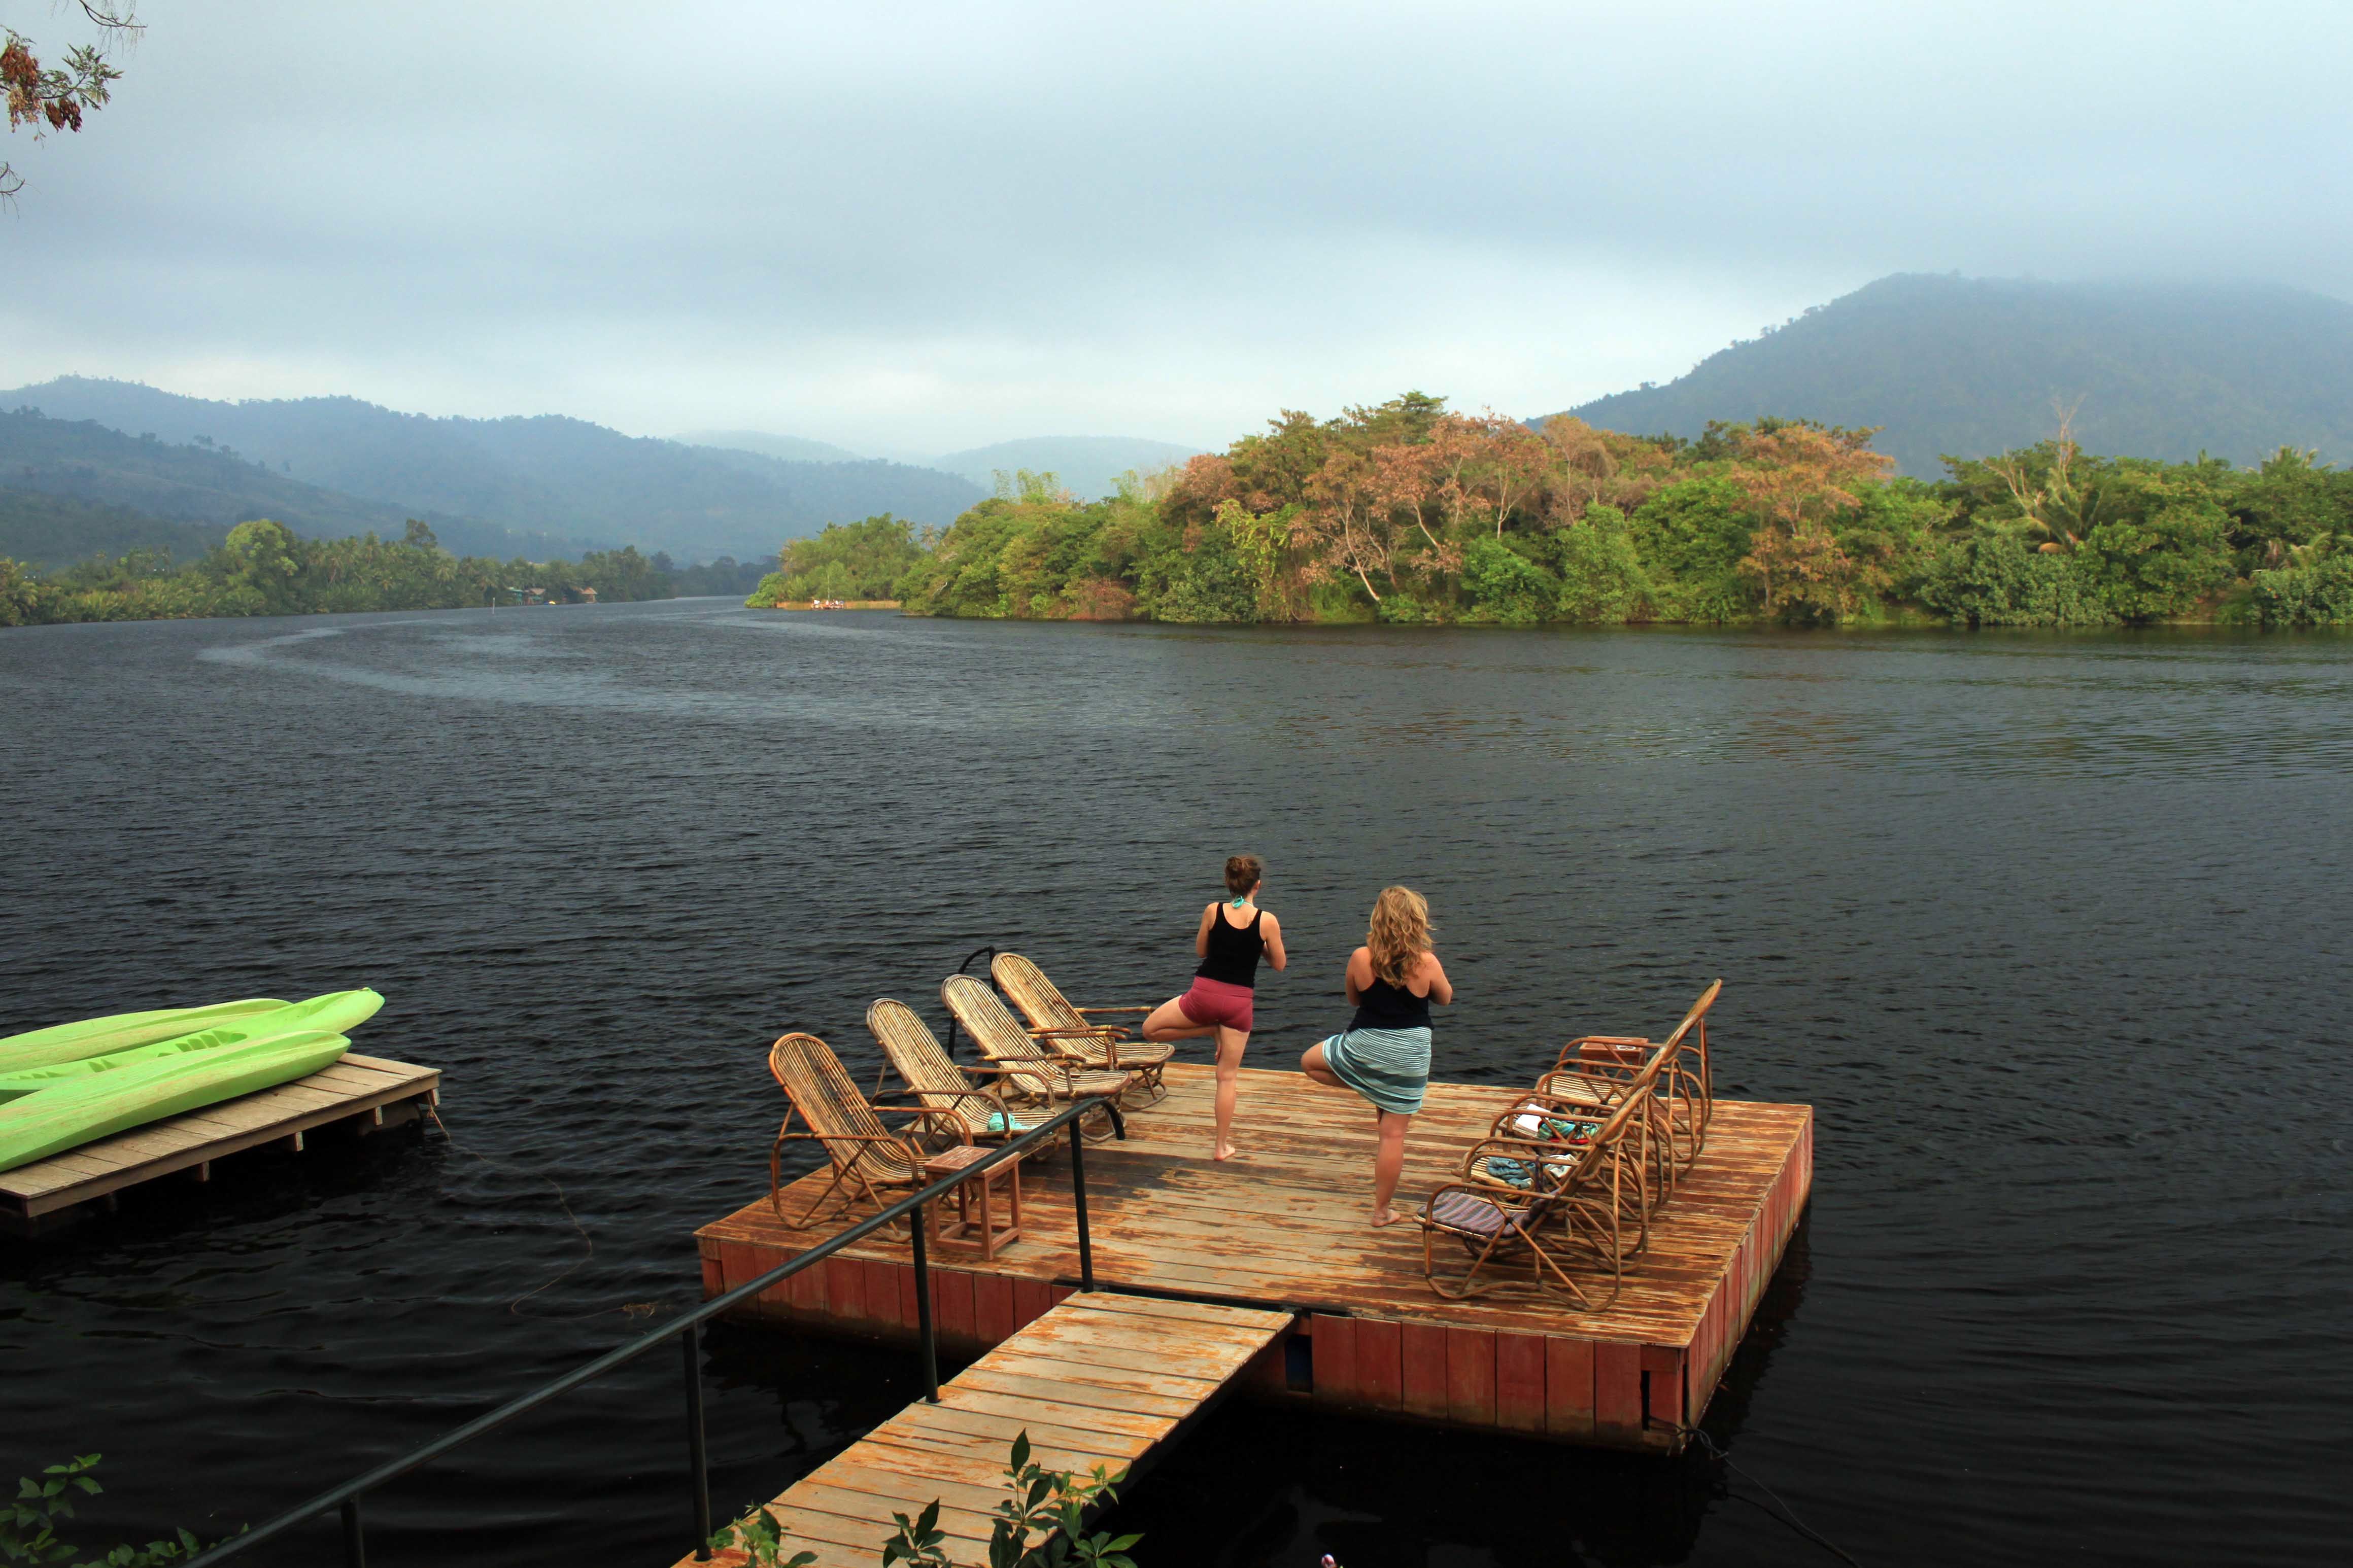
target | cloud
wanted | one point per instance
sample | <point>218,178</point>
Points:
<point>935,225</point>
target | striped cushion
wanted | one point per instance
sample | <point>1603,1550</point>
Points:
<point>1464,1211</point>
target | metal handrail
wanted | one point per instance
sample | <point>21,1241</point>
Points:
<point>345,1497</point>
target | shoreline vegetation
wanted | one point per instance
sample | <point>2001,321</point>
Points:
<point>264,568</point>
<point>1408,513</point>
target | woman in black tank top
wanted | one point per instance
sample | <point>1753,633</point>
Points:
<point>1384,1053</point>
<point>1232,938</point>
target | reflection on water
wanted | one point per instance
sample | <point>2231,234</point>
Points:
<point>2047,927</point>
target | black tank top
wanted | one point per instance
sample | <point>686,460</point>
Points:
<point>1385,1006</point>
<point>1233,952</point>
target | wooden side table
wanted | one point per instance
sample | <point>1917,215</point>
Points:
<point>976,1222</point>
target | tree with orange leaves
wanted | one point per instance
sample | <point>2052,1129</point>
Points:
<point>1344,522</point>
<point>1600,468</point>
<point>48,98</point>
<point>1796,476</point>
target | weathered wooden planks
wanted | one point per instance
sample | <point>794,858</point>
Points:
<point>1098,1379</point>
<point>372,1089</point>
<point>1287,1225</point>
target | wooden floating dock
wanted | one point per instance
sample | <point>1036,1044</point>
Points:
<point>1287,1227</point>
<point>368,1090</point>
<point>1099,1379</point>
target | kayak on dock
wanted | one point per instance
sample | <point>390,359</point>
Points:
<point>120,1032</point>
<point>66,1101</point>
<point>68,1114</point>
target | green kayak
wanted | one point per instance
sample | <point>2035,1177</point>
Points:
<point>71,1111</point>
<point>337,1012</point>
<point>98,1037</point>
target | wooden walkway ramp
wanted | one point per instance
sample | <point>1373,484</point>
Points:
<point>1102,1379</point>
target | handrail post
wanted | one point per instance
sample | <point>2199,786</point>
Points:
<point>355,1543</point>
<point>1078,1203</point>
<point>922,1224</point>
<point>698,1455</point>
<point>960,968</point>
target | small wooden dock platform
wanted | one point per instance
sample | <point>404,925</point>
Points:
<point>1100,1379</point>
<point>1286,1227</point>
<point>369,1090</point>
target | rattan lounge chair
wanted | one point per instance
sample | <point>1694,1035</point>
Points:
<point>1034,1071</point>
<point>1576,1197</point>
<point>864,1156</point>
<point>1592,1071</point>
<point>969,1094</point>
<point>1068,1029</point>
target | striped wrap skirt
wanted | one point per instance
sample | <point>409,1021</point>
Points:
<point>1389,1067</point>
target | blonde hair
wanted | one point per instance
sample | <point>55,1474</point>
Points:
<point>1400,932</point>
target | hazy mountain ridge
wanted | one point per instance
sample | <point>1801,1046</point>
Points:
<point>49,531</point>
<point>1088,465</point>
<point>1973,366</point>
<point>209,488</point>
<point>785,448</point>
<point>548,474</point>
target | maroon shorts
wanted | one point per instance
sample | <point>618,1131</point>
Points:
<point>1215,1001</point>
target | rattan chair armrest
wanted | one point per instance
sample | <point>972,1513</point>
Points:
<point>1083,1012</point>
<point>1096,1031</point>
<point>1526,1151</point>
<point>981,1095</point>
<point>950,1120</point>
<point>1575,1049</point>
<point>846,1137</point>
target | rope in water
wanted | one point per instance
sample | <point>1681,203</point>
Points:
<point>627,1308</point>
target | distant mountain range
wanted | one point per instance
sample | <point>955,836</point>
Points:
<point>790,448</point>
<point>1089,467</point>
<point>335,465</point>
<point>1973,366</point>
<point>72,489</point>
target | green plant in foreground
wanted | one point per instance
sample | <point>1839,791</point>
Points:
<point>1054,1502</point>
<point>1049,1504</point>
<point>760,1536</point>
<point>29,1532</point>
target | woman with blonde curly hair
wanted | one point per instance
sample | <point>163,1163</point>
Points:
<point>1384,1053</point>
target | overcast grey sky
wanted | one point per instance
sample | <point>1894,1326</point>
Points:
<point>912,227</point>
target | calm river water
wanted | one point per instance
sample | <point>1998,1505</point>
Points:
<point>2051,930</point>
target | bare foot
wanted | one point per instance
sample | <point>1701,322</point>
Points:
<point>1224,1151</point>
<point>1385,1217</point>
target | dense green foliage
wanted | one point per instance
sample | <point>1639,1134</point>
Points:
<point>1969,366</point>
<point>725,577</point>
<point>847,561</point>
<point>264,568</point>
<point>1407,512</point>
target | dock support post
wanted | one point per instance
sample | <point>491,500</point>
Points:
<point>1079,1205</point>
<point>922,1224</point>
<point>698,1455</point>
<point>354,1543</point>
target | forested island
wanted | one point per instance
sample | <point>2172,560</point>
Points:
<point>1410,512</point>
<point>264,568</point>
